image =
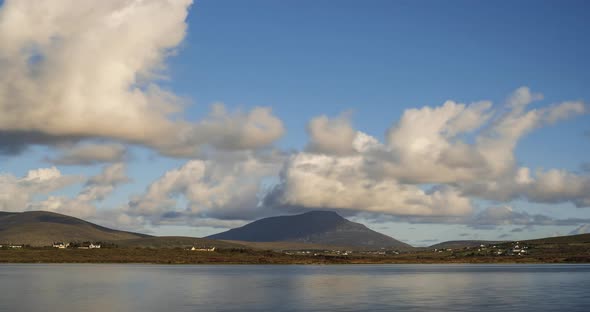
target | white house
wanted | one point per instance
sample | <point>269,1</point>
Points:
<point>203,249</point>
<point>60,245</point>
<point>93,246</point>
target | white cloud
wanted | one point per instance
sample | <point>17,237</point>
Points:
<point>73,70</point>
<point>434,162</point>
<point>429,144</point>
<point>544,186</point>
<point>491,217</point>
<point>224,188</point>
<point>426,146</point>
<point>42,175</point>
<point>331,136</point>
<point>555,186</point>
<point>17,193</point>
<point>97,188</point>
<point>322,181</point>
<point>456,151</point>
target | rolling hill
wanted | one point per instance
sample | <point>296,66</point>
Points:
<point>176,242</point>
<point>42,228</point>
<point>569,239</point>
<point>462,244</point>
<point>315,227</point>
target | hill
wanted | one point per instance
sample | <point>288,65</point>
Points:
<point>570,239</point>
<point>175,242</point>
<point>316,227</point>
<point>42,228</point>
<point>462,244</point>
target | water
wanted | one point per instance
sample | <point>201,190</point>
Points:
<point>113,287</point>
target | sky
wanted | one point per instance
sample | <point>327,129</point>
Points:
<point>425,120</point>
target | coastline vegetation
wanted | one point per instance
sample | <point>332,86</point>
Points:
<point>537,254</point>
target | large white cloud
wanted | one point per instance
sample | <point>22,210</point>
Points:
<point>322,181</point>
<point>434,161</point>
<point>17,193</point>
<point>96,189</point>
<point>88,69</point>
<point>429,144</point>
<point>223,188</point>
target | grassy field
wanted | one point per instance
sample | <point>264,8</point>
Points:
<point>541,253</point>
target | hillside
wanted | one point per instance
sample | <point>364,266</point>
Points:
<point>462,244</point>
<point>570,239</point>
<point>316,227</point>
<point>175,242</point>
<point>42,228</point>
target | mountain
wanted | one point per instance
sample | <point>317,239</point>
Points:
<point>316,227</point>
<point>42,228</point>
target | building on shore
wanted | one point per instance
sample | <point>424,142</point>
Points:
<point>60,245</point>
<point>203,248</point>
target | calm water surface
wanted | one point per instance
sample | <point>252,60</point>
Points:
<point>111,287</point>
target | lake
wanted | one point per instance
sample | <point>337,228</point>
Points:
<point>131,287</point>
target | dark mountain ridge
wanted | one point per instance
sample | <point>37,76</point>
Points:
<point>317,227</point>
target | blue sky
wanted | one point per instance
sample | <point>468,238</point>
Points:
<point>368,60</point>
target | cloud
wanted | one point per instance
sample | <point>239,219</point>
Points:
<point>331,136</point>
<point>103,184</point>
<point>96,189</point>
<point>322,181</point>
<point>544,186</point>
<point>428,144</point>
<point>89,70</point>
<point>423,148</point>
<point>218,188</point>
<point>90,154</point>
<point>555,186</point>
<point>489,218</point>
<point>17,193</point>
<point>492,217</point>
<point>433,162</point>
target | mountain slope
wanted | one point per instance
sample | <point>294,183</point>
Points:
<point>569,239</point>
<point>317,227</point>
<point>42,228</point>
